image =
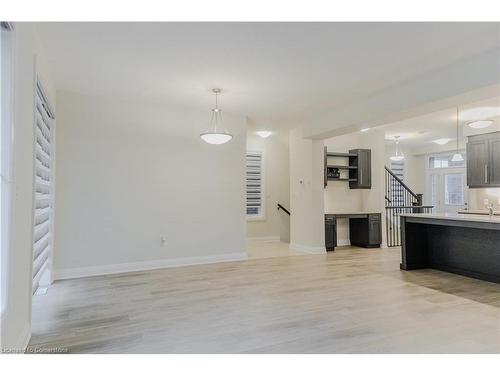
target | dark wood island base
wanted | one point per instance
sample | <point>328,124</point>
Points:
<point>464,244</point>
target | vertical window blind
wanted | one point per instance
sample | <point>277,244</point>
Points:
<point>254,184</point>
<point>42,231</point>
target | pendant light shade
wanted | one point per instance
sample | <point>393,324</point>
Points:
<point>457,156</point>
<point>398,155</point>
<point>216,138</point>
<point>215,135</point>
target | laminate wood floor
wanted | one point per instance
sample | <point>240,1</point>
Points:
<point>350,301</point>
<point>258,248</point>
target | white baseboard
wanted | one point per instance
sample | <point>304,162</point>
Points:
<point>344,242</point>
<point>73,273</point>
<point>265,238</point>
<point>307,249</point>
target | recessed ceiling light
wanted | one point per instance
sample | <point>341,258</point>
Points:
<point>264,133</point>
<point>365,129</point>
<point>481,124</point>
<point>442,141</point>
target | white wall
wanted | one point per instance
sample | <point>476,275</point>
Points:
<point>276,185</point>
<point>339,198</point>
<point>29,60</point>
<point>414,176</point>
<point>130,173</point>
<point>477,197</point>
<point>307,225</point>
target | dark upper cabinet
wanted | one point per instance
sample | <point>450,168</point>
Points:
<point>362,175</point>
<point>483,160</point>
<point>494,162</point>
<point>477,163</point>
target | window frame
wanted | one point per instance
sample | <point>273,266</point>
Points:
<point>442,154</point>
<point>46,278</point>
<point>441,172</point>
<point>262,215</point>
<point>7,104</point>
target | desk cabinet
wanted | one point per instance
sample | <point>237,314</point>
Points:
<point>365,229</point>
<point>366,232</point>
<point>330,232</point>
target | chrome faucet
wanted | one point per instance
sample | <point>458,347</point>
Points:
<point>490,210</point>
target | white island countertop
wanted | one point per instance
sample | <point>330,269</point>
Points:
<point>458,217</point>
<point>478,212</point>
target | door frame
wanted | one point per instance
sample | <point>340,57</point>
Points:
<point>440,172</point>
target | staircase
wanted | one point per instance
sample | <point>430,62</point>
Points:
<point>399,199</point>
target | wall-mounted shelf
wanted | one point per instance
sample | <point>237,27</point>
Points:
<point>340,155</point>
<point>342,179</point>
<point>342,166</point>
<point>357,172</point>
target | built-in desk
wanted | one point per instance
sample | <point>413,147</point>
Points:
<point>365,229</point>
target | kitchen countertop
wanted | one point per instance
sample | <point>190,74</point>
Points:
<point>477,212</point>
<point>458,217</point>
<point>352,213</point>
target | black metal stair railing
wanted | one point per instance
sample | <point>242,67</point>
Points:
<point>283,208</point>
<point>399,199</point>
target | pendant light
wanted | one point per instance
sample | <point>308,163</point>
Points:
<point>457,156</point>
<point>216,136</point>
<point>398,156</point>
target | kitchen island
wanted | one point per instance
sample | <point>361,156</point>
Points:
<point>468,244</point>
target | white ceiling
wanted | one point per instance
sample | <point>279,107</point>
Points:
<point>270,72</point>
<point>420,132</point>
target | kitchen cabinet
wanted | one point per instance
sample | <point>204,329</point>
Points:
<point>362,173</point>
<point>483,160</point>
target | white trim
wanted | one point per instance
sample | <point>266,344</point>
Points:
<point>265,238</point>
<point>307,249</point>
<point>7,176</point>
<point>72,273</point>
<point>260,217</point>
<point>24,338</point>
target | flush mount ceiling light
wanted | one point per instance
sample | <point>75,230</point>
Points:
<point>216,136</point>
<point>480,124</point>
<point>398,155</point>
<point>442,141</point>
<point>364,130</point>
<point>264,133</point>
<point>457,156</point>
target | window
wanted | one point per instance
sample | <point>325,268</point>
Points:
<point>398,168</point>
<point>454,189</point>
<point>6,115</point>
<point>255,208</point>
<point>42,216</point>
<point>444,161</point>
